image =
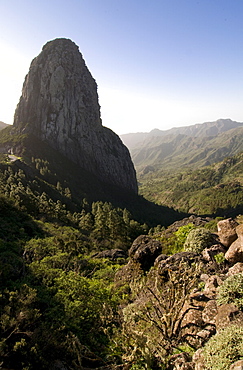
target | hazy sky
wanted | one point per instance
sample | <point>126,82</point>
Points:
<point>158,63</point>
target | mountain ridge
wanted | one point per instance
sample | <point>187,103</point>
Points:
<point>212,128</point>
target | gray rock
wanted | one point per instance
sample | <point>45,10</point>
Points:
<point>59,104</point>
<point>209,253</point>
<point>198,360</point>
<point>210,312</point>
<point>211,286</point>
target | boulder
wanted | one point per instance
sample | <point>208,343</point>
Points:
<point>112,254</point>
<point>198,360</point>
<point>180,361</point>
<point>210,312</point>
<point>235,252</point>
<point>228,314</point>
<point>238,365</point>
<point>209,253</point>
<point>144,251</point>
<point>226,231</point>
<point>235,269</point>
<point>211,286</point>
<point>172,262</point>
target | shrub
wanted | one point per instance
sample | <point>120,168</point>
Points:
<point>197,240</point>
<point>231,291</point>
<point>182,233</point>
<point>224,348</point>
<point>219,258</point>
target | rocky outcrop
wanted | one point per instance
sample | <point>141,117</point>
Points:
<point>111,254</point>
<point>144,251</point>
<point>226,231</point>
<point>181,292</point>
<point>238,365</point>
<point>59,104</point>
<point>235,252</point>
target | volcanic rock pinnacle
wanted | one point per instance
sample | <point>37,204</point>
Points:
<point>59,103</point>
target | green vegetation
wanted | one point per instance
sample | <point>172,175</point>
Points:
<point>231,291</point>
<point>60,304</point>
<point>212,190</point>
<point>177,151</point>
<point>197,240</point>
<point>224,348</point>
<point>219,258</point>
<point>57,300</point>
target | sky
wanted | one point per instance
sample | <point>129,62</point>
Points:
<point>158,63</point>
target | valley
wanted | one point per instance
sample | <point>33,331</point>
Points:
<point>111,260</point>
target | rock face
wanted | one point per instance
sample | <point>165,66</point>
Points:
<point>235,252</point>
<point>144,251</point>
<point>226,231</point>
<point>59,103</point>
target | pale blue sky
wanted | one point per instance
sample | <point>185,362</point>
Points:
<point>158,63</point>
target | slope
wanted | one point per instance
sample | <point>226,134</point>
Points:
<point>63,180</point>
<point>211,190</point>
<point>214,128</point>
<point>176,151</point>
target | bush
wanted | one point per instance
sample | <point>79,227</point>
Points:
<point>224,348</point>
<point>197,240</point>
<point>231,291</point>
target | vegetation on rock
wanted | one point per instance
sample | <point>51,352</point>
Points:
<point>197,240</point>
<point>212,190</point>
<point>224,348</point>
<point>231,291</point>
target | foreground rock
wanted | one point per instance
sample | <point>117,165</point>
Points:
<point>235,251</point>
<point>227,231</point>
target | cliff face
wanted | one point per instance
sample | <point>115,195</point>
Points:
<point>59,103</point>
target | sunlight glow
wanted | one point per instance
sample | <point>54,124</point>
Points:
<point>13,68</point>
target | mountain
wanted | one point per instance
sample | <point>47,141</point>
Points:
<point>2,125</point>
<point>195,169</point>
<point>59,105</point>
<point>206,129</point>
<point>208,190</point>
<point>58,142</point>
<point>176,151</point>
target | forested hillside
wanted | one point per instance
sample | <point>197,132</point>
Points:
<point>215,189</point>
<point>195,169</point>
<point>78,292</point>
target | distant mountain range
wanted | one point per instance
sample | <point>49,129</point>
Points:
<point>214,128</point>
<point>191,146</point>
<point>195,169</point>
